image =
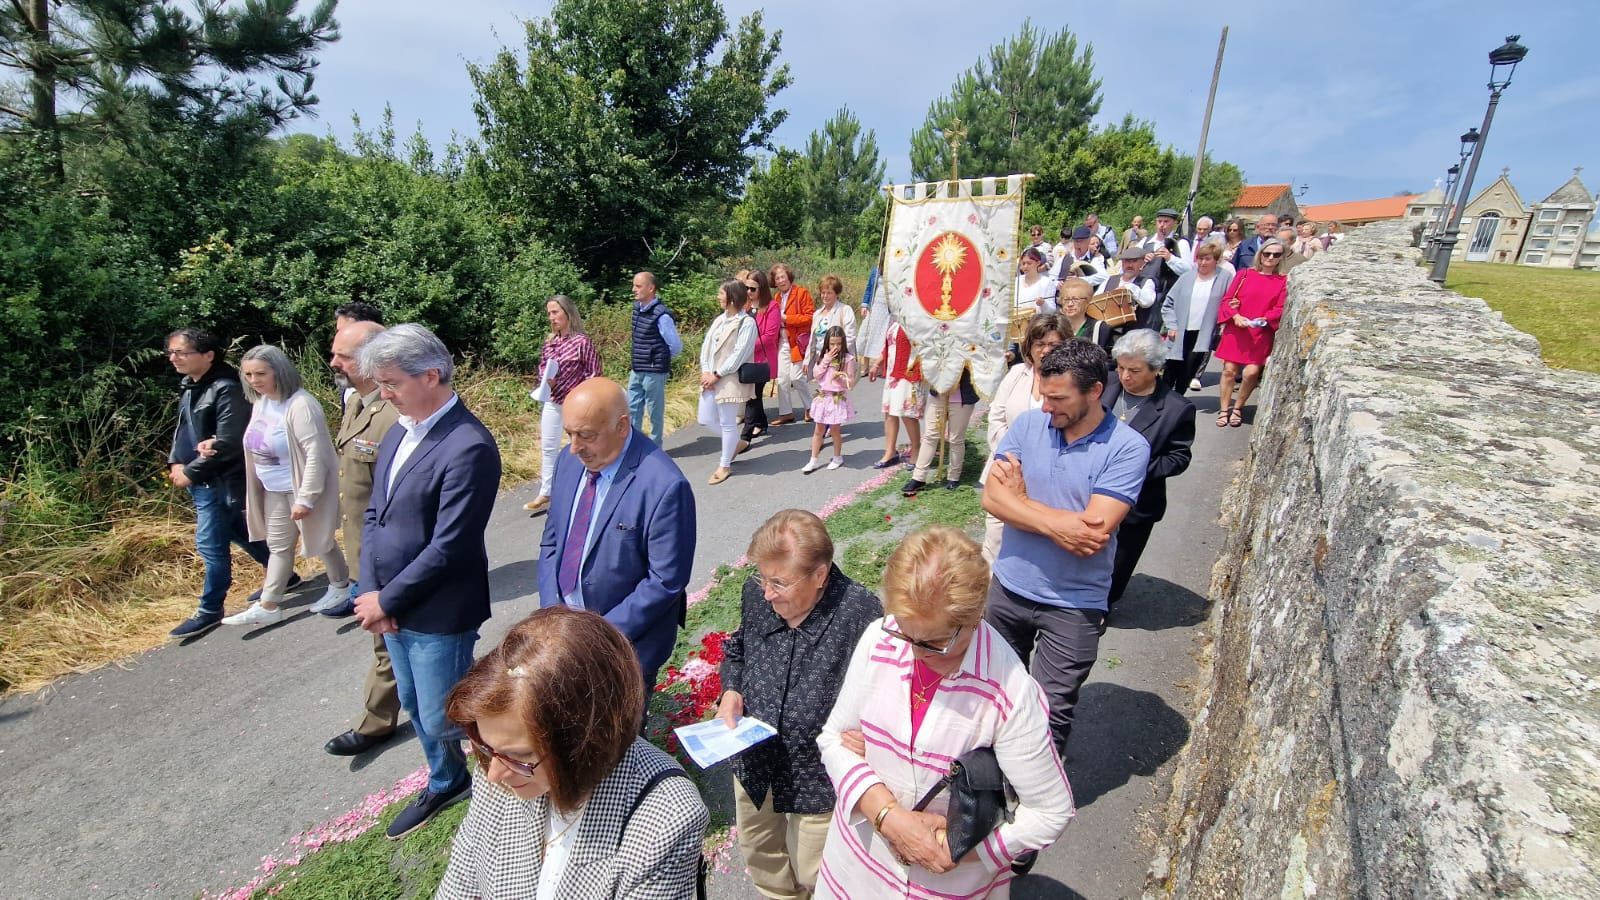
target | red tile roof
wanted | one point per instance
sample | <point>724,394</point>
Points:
<point>1259,196</point>
<point>1359,210</point>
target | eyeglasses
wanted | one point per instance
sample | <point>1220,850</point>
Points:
<point>775,586</point>
<point>931,647</point>
<point>485,753</point>
<point>1271,255</point>
<point>171,354</point>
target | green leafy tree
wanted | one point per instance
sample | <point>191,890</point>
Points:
<point>1029,92</point>
<point>842,173</point>
<point>1121,171</point>
<point>616,126</point>
<point>93,67</point>
<point>773,211</point>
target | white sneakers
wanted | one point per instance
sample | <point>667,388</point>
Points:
<point>334,598</point>
<point>816,464</point>
<point>1195,385</point>
<point>256,614</point>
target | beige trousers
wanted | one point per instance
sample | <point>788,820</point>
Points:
<point>782,850</point>
<point>282,537</point>
<point>955,434</point>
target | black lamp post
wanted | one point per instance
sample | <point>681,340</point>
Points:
<point>1502,63</point>
<point>1452,177</point>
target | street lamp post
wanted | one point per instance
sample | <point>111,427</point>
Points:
<point>1505,57</point>
<point>1451,180</point>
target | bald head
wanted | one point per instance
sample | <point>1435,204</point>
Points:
<point>347,342</point>
<point>595,417</point>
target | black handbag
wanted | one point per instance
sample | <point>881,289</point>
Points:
<point>980,799</point>
<point>755,373</point>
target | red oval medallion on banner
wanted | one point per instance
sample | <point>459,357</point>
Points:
<point>949,275</point>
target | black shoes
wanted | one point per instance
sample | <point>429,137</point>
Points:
<point>197,624</point>
<point>1023,864</point>
<point>912,487</point>
<point>353,743</point>
<point>424,808</point>
<point>951,485</point>
<point>294,582</point>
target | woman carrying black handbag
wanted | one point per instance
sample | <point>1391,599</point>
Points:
<point>929,685</point>
<point>761,368</point>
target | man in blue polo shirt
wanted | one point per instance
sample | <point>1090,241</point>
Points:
<point>1063,478</point>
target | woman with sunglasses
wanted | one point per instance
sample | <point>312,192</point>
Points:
<point>567,800</point>
<point>800,619</point>
<point>926,684</point>
<point>1249,315</point>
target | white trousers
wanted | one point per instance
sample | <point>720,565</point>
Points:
<point>728,428</point>
<point>549,445</point>
<point>792,377</point>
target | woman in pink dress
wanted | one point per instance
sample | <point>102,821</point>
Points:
<point>1249,315</point>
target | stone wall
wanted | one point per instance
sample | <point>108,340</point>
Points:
<point>1401,695</point>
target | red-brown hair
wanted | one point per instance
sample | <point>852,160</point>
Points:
<point>574,681</point>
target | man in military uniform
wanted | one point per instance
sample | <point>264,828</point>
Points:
<point>367,418</point>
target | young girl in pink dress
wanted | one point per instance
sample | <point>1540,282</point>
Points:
<point>835,373</point>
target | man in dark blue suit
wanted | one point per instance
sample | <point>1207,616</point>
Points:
<point>619,539</point>
<point>423,557</point>
<point>1266,229</point>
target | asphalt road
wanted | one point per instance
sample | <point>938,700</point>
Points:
<point>176,773</point>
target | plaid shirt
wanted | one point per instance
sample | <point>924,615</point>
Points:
<point>576,362</point>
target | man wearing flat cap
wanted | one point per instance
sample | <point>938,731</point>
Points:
<point>1141,285</point>
<point>1082,261</point>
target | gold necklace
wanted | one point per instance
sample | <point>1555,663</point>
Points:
<point>554,838</point>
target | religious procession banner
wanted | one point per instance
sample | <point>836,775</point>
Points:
<point>949,272</point>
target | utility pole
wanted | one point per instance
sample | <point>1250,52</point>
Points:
<point>1205,130</point>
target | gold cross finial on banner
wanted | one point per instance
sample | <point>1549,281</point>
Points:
<point>954,134</point>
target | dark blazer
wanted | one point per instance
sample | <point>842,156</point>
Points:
<point>422,548</point>
<point>1244,256</point>
<point>1167,422</point>
<point>636,573</point>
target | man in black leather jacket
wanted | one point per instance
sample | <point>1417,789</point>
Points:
<point>212,406</point>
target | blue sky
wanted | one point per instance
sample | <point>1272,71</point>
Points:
<point>1353,100</point>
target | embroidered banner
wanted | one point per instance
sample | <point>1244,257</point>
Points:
<point>949,270</point>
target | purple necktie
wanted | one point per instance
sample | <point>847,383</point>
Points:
<point>577,536</point>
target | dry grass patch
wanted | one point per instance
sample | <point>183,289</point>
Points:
<point>76,597</point>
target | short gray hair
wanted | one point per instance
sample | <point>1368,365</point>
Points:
<point>410,348</point>
<point>1142,343</point>
<point>284,373</point>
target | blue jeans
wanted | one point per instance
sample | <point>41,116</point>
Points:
<point>219,520</point>
<point>651,388</point>
<point>426,667</point>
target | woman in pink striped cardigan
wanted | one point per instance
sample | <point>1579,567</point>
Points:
<point>927,683</point>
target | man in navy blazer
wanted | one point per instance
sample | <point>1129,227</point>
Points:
<point>423,559</point>
<point>620,536</point>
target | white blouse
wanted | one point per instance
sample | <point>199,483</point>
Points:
<point>561,834</point>
<point>1199,299</point>
<point>1037,297</point>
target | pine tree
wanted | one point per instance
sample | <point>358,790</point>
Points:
<point>120,67</point>
<point>842,173</point>
<point>1027,94</point>
<point>773,211</point>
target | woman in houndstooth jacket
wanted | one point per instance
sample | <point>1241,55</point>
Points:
<point>568,803</point>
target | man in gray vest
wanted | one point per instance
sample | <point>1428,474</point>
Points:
<point>655,343</point>
<point>367,418</point>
